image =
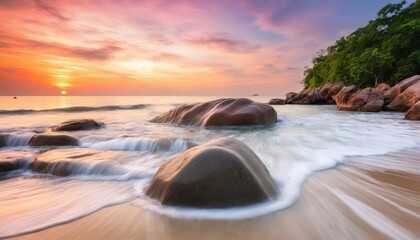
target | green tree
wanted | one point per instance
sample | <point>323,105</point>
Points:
<point>386,50</point>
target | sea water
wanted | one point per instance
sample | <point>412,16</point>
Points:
<point>305,139</point>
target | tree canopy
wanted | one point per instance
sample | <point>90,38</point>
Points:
<point>387,50</point>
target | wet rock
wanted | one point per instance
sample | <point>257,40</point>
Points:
<point>365,100</point>
<point>221,112</point>
<point>82,161</point>
<point>277,101</point>
<point>3,140</point>
<point>414,112</point>
<point>221,173</point>
<point>46,139</point>
<point>77,125</point>
<point>10,161</point>
<point>408,97</point>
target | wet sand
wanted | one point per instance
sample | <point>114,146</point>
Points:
<point>366,198</point>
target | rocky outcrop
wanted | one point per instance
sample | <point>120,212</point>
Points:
<point>276,101</point>
<point>77,125</point>
<point>221,173</point>
<point>365,100</point>
<point>221,112</point>
<point>383,87</point>
<point>46,139</point>
<point>320,95</point>
<point>414,112</point>
<point>408,96</point>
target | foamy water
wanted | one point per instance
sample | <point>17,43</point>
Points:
<point>129,150</point>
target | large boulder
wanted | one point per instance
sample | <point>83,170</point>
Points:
<point>276,101</point>
<point>365,100</point>
<point>335,89</point>
<point>391,94</point>
<point>323,92</point>
<point>221,112</point>
<point>408,97</point>
<point>408,82</point>
<point>221,173</point>
<point>414,112</point>
<point>78,124</point>
<point>47,139</point>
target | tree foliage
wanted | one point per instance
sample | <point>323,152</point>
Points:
<point>386,50</point>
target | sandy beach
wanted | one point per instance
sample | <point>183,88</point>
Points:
<point>357,200</point>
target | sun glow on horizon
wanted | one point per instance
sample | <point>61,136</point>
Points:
<point>63,92</point>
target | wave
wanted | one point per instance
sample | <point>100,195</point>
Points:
<point>15,140</point>
<point>74,109</point>
<point>168,145</point>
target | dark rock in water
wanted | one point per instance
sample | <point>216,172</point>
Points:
<point>414,112</point>
<point>277,101</point>
<point>82,161</point>
<point>10,161</point>
<point>221,112</point>
<point>255,95</point>
<point>408,97</point>
<point>44,139</point>
<point>77,125</point>
<point>2,140</point>
<point>221,173</point>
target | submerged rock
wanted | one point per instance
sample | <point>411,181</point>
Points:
<point>46,139</point>
<point>77,125</point>
<point>221,173</point>
<point>2,140</point>
<point>82,161</point>
<point>277,101</point>
<point>365,100</point>
<point>414,112</point>
<point>221,112</point>
<point>10,161</point>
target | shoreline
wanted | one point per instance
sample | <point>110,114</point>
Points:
<point>353,200</point>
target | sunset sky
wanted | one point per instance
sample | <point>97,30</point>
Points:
<point>168,47</point>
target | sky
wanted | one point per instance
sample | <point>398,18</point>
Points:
<point>168,47</point>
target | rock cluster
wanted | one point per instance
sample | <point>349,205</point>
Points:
<point>402,97</point>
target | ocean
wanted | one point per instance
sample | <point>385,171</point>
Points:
<point>129,150</point>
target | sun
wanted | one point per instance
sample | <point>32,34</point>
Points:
<point>63,92</point>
